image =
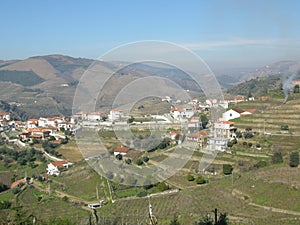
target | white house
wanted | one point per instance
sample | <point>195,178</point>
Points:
<point>32,123</point>
<point>194,124</point>
<point>224,129</point>
<point>181,112</point>
<point>232,114</point>
<point>66,125</point>
<point>53,168</point>
<point>121,151</point>
<point>95,116</point>
<point>115,114</point>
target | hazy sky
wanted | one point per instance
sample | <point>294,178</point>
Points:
<point>224,33</point>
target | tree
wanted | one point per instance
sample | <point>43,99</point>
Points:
<point>145,159</point>
<point>162,186</point>
<point>128,161</point>
<point>248,135</point>
<point>249,144</point>
<point>227,169</point>
<point>204,120</point>
<point>130,120</point>
<point>119,157</point>
<point>277,157</point>
<point>297,88</point>
<point>238,134</point>
<point>229,144</point>
<point>3,187</point>
<point>174,221</point>
<point>190,177</point>
<point>206,220</point>
<point>294,159</point>
<point>139,162</point>
<point>200,180</point>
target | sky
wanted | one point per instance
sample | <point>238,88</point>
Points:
<point>225,34</point>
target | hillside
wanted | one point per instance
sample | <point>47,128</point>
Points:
<point>45,85</point>
<point>282,68</point>
<point>257,86</point>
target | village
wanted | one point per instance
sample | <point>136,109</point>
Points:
<point>199,131</point>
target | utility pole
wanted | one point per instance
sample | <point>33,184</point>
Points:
<point>216,215</point>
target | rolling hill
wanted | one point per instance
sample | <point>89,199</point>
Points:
<point>45,85</point>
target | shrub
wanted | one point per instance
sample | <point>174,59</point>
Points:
<point>119,157</point>
<point>139,162</point>
<point>260,164</point>
<point>5,204</point>
<point>294,159</point>
<point>277,157</point>
<point>227,169</point>
<point>142,194</point>
<point>128,161</point>
<point>145,158</point>
<point>190,177</point>
<point>200,180</point>
<point>162,186</point>
<point>15,190</point>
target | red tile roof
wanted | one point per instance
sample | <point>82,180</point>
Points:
<point>15,184</point>
<point>238,110</point>
<point>121,149</point>
<point>198,134</point>
<point>59,163</point>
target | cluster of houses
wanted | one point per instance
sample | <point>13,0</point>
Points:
<point>42,128</point>
<point>221,131</point>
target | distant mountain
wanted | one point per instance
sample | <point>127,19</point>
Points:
<point>45,85</point>
<point>283,68</point>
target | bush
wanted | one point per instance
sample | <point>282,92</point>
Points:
<point>139,162</point>
<point>284,127</point>
<point>249,144</point>
<point>294,159</point>
<point>142,194</point>
<point>248,135</point>
<point>277,157</point>
<point>200,180</point>
<point>190,177</point>
<point>238,134</point>
<point>145,159</point>
<point>229,144</point>
<point>119,157</point>
<point>5,204</point>
<point>15,190</point>
<point>227,169</point>
<point>260,164</point>
<point>162,186</point>
<point>128,161</point>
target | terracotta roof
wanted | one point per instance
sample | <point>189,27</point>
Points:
<point>238,110</point>
<point>59,163</point>
<point>175,132</point>
<point>38,129</point>
<point>225,122</point>
<point>198,134</point>
<point>35,136</point>
<point>121,149</point>
<point>15,184</point>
